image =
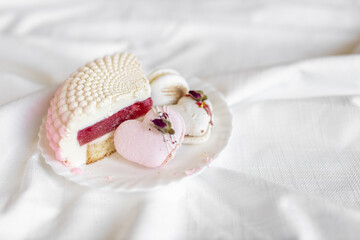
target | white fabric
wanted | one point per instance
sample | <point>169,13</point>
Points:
<point>289,71</point>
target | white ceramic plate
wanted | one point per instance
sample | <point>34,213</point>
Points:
<point>117,174</point>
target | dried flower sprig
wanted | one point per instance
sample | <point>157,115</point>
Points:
<point>200,98</point>
<point>198,95</point>
<point>163,126</point>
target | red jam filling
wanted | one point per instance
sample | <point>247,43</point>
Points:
<point>109,124</point>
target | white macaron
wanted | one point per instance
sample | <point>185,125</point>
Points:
<point>167,86</point>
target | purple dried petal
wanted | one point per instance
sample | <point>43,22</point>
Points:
<point>166,116</point>
<point>159,123</point>
<point>195,95</point>
<point>163,125</point>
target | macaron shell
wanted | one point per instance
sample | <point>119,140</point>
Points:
<point>167,87</point>
<point>142,143</point>
<point>160,72</point>
<point>192,140</point>
<point>196,119</point>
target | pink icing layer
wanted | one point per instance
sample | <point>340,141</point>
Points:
<point>142,143</point>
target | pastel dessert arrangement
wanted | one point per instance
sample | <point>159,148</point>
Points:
<point>109,105</point>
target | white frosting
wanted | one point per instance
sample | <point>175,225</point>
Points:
<point>93,93</point>
<point>196,119</point>
<point>103,138</point>
<point>167,86</point>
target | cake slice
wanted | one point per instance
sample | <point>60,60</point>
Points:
<point>91,104</point>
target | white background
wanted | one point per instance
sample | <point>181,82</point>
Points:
<point>291,75</point>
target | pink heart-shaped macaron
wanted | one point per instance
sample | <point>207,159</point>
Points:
<point>140,141</point>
